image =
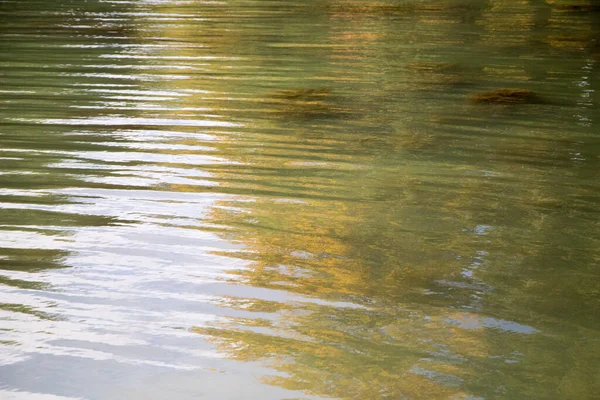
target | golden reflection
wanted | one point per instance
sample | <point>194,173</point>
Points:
<point>391,278</point>
<point>508,22</point>
<point>352,353</point>
<point>571,25</point>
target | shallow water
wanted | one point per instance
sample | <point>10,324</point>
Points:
<point>281,200</point>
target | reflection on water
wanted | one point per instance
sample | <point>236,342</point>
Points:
<point>242,200</point>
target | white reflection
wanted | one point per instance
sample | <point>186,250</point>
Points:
<point>121,121</point>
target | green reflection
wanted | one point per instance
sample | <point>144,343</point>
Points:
<point>20,308</point>
<point>41,66</point>
<point>465,234</point>
<point>408,243</point>
<point>30,260</point>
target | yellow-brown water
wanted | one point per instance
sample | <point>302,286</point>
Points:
<point>299,200</point>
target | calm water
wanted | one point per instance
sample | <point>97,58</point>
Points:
<point>298,200</point>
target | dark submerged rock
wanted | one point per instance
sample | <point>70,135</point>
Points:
<point>306,103</point>
<point>506,96</point>
<point>582,7</point>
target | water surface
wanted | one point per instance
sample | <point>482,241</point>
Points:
<point>283,200</point>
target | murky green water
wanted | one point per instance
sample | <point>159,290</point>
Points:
<point>299,200</point>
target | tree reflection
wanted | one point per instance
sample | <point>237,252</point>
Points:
<point>431,248</point>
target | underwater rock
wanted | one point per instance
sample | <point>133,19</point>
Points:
<point>306,103</point>
<point>304,94</point>
<point>582,7</point>
<point>368,139</point>
<point>505,96</point>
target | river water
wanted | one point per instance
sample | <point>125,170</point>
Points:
<point>299,200</point>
